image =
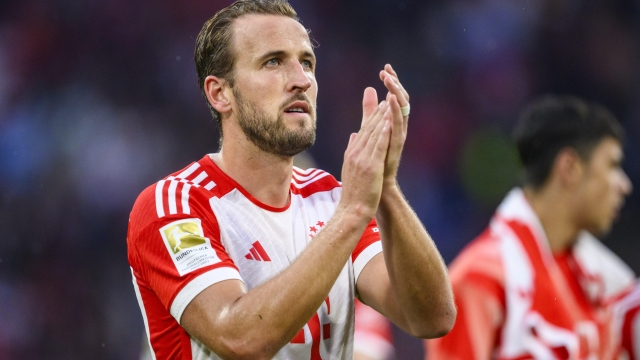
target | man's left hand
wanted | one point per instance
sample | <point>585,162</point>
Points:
<point>397,97</point>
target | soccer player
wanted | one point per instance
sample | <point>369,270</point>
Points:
<point>627,318</point>
<point>240,255</point>
<point>372,336</point>
<point>536,284</point>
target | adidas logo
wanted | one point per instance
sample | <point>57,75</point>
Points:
<point>257,252</point>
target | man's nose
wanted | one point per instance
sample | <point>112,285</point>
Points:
<point>627,186</point>
<point>298,78</point>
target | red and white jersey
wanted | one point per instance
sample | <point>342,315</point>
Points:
<point>198,227</point>
<point>373,338</point>
<point>518,300</point>
<point>627,317</point>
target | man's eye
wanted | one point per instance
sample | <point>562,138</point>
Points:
<point>272,62</point>
<point>307,64</point>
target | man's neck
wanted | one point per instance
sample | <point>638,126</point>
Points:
<point>266,177</point>
<point>554,209</point>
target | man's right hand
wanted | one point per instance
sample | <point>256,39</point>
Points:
<point>364,159</point>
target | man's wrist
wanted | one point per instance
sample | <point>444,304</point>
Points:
<point>352,219</point>
<point>391,193</point>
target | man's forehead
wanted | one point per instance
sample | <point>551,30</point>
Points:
<point>610,148</point>
<point>260,33</point>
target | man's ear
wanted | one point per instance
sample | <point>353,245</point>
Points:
<point>214,89</point>
<point>569,167</point>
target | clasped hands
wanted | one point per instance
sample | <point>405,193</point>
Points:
<point>373,154</point>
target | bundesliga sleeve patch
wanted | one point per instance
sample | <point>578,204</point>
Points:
<point>187,246</point>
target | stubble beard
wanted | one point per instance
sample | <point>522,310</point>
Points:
<point>271,135</point>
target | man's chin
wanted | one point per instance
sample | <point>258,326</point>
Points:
<point>601,230</point>
<point>290,152</point>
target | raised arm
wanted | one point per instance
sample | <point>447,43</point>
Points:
<point>256,324</point>
<point>409,282</point>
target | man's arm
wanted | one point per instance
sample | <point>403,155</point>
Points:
<point>255,324</point>
<point>409,283</point>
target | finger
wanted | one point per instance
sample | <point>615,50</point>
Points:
<point>396,139</point>
<point>349,149</point>
<point>385,72</point>
<point>370,124</point>
<point>396,116</point>
<point>367,120</point>
<point>372,140</point>
<point>351,139</point>
<point>395,87</point>
<point>390,70</point>
<point>382,144</point>
<point>369,103</point>
<point>389,80</point>
<point>394,104</point>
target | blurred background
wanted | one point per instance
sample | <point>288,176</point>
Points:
<point>99,99</point>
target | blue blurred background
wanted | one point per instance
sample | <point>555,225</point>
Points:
<point>98,99</point>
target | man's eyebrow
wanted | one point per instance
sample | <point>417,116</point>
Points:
<point>272,54</point>
<point>309,54</point>
<point>281,53</point>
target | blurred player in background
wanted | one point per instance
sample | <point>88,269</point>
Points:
<point>241,255</point>
<point>627,322</point>
<point>537,284</point>
<point>372,338</point>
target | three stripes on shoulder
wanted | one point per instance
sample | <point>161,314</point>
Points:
<point>178,187</point>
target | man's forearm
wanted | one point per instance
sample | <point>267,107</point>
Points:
<point>264,319</point>
<point>416,270</point>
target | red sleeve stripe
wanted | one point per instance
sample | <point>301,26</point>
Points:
<point>188,171</point>
<point>179,186</point>
<point>199,178</point>
<point>178,190</point>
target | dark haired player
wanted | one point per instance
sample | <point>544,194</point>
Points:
<point>537,284</point>
<point>240,255</point>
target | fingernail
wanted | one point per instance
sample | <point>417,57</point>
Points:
<point>383,103</point>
